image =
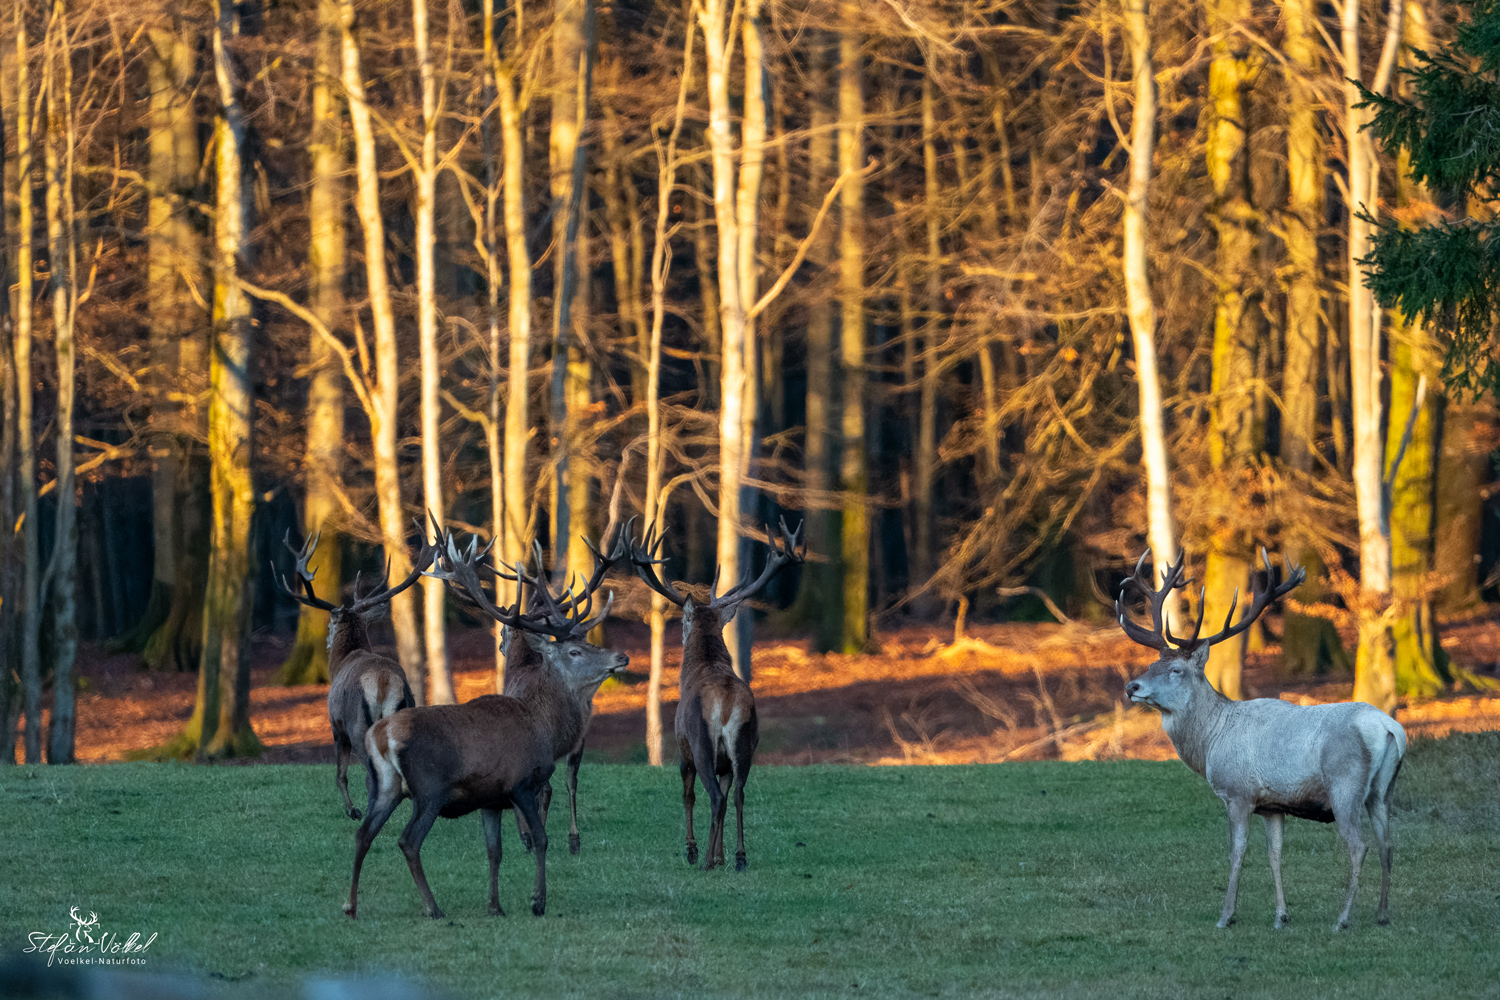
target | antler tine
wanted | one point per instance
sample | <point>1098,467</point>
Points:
<point>460,572</point>
<point>1154,637</point>
<point>420,566</point>
<point>645,557</point>
<point>304,577</point>
<point>779,556</point>
<point>1261,600</point>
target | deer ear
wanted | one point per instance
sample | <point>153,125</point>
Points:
<point>1198,658</point>
<point>536,642</point>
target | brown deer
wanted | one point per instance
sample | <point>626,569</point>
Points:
<point>525,667</point>
<point>492,753</point>
<point>365,686</point>
<point>717,730</point>
<point>1267,756</point>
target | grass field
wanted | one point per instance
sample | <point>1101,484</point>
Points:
<point>1040,879</point>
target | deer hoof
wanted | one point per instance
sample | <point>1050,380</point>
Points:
<point>1382,919</point>
<point>692,854</point>
<point>538,906</point>
<point>1281,921</point>
<point>740,864</point>
<point>526,842</point>
<point>496,911</point>
<point>353,813</point>
<point>1224,922</point>
<point>575,845</point>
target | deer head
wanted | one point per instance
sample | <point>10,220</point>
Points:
<point>554,625</point>
<point>359,605</point>
<point>1170,683</point>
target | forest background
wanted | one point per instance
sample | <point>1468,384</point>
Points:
<point>991,294</point>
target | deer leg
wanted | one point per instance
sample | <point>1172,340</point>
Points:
<point>523,831</point>
<point>526,802</point>
<point>689,796</point>
<point>411,846</point>
<point>1274,824</point>
<point>575,844</point>
<point>1380,818</point>
<point>1346,814</point>
<point>492,827</point>
<point>343,748</point>
<point>739,824</point>
<point>383,802</point>
<point>721,813</point>
<point>1239,835</point>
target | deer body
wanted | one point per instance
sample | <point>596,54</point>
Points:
<point>523,671</point>
<point>716,725</point>
<point>489,754</point>
<point>366,686</point>
<point>717,731</point>
<point>1326,763</point>
<point>497,751</point>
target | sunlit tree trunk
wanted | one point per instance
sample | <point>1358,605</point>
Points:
<point>1374,667</point>
<point>1139,304</point>
<point>489,94</point>
<point>1233,434</point>
<point>59,585</point>
<point>747,213</point>
<point>514,536</point>
<point>1421,667</point>
<point>385,399</point>
<point>323,457</point>
<point>713,16</point>
<point>925,458</point>
<point>223,710</point>
<point>1463,470</point>
<point>661,266</point>
<point>572,67</point>
<point>31,611</point>
<point>439,678</point>
<point>854,475</point>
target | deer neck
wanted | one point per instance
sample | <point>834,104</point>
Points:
<point>704,653</point>
<point>1193,729</point>
<point>347,636</point>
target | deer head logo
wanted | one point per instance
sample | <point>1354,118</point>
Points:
<point>83,931</point>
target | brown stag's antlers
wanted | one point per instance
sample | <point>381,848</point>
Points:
<point>359,604</point>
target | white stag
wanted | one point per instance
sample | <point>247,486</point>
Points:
<point>1266,756</point>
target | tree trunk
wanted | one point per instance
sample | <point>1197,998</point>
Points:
<point>439,677</point>
<point>732,375</point>
<point>180,502</point>
<point>223,709</point>
<point>323,458</point>
<point>572,69</point>
<point>1233,434</point>
<point>59,586</point>
<point>854,475</point>
<point>31,624</point>
<point>386,398</point>
<point>1420,664</point>
<point>661,267</point>
<point>1462,472</point>
<point>747,219</point>
<point>1139,304</point>
<point>924,561</point>
<point>10,569</point>
<point>1309,644</point>
<point>489,94</point>
<point>172,171</point>
<point>1374,666</point>
<point>515,537</point>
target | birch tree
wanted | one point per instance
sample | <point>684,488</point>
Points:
<point>440,680</point>
<point>1374,667</point>
<point>1139,305</point>
<point>385,400</point>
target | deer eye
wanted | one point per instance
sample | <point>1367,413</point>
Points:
<point>1176,671</point>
